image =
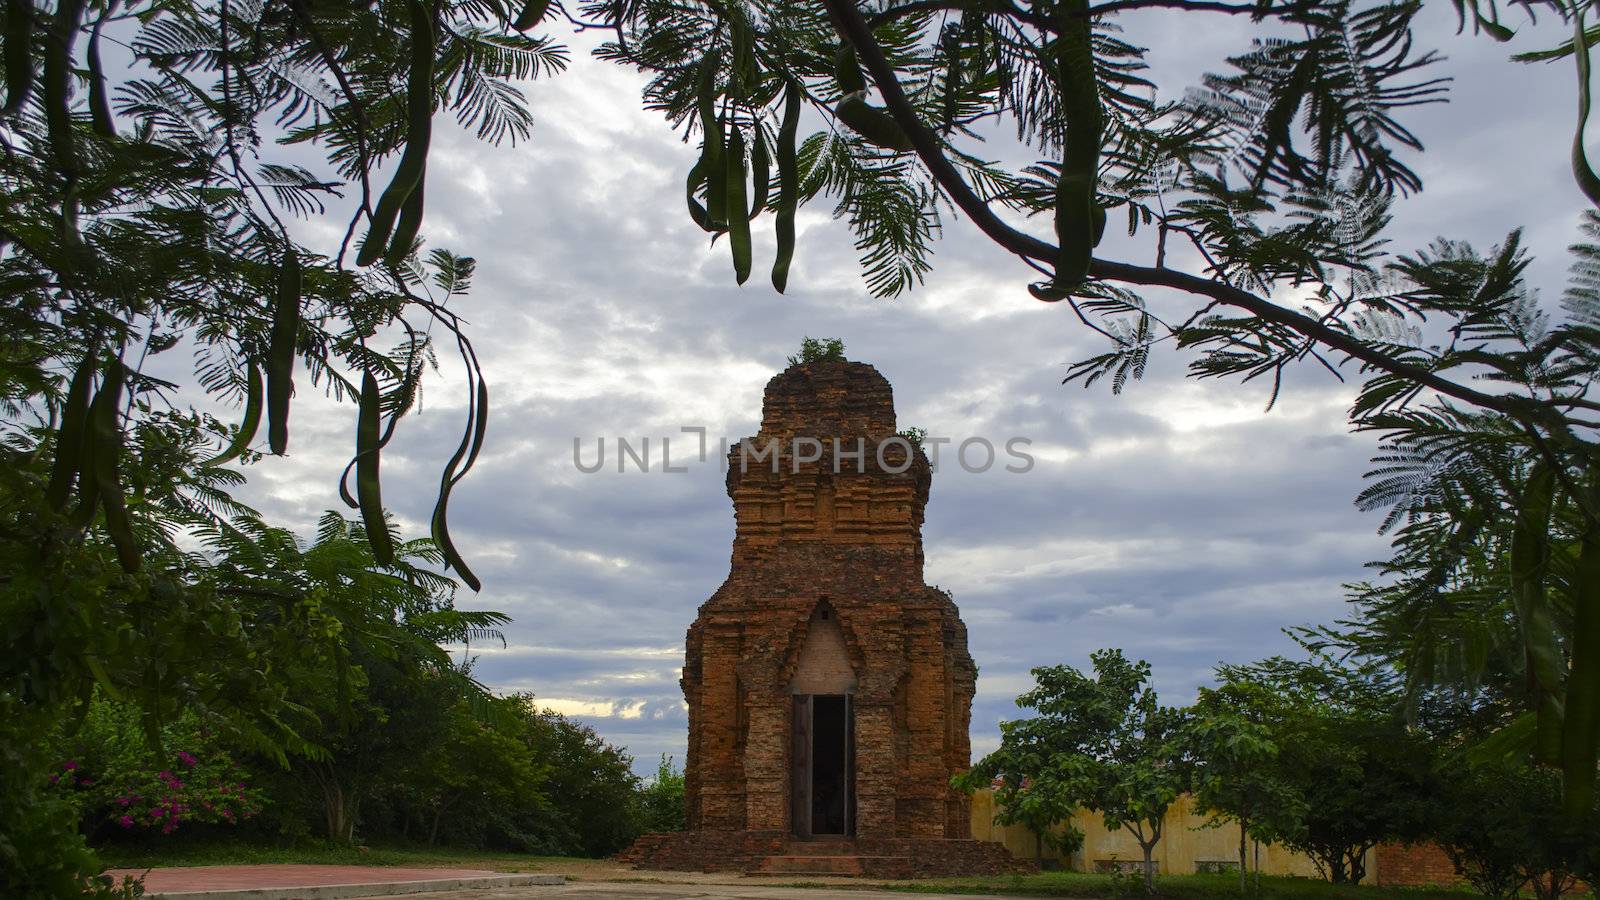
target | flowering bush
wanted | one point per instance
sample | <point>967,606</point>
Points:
<point>115,780</point>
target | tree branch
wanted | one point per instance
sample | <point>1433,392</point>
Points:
<point>930,150</point>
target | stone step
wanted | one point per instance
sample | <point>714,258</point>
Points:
<point>822,848</point>
<point>834,864</point>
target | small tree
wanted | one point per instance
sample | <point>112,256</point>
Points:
<point>1362,775</point>
<point>1500,823</point>
<point>1103,743</point>
<point>818,350</point>
<point>1236,775</point>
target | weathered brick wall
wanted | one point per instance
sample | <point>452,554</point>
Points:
<point>1411,865</point>
<point>808,539</point>
<point>824,665</point>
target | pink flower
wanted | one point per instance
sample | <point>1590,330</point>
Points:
<point>126,821</point>
<point>187,758</point>
<point>71,764</point>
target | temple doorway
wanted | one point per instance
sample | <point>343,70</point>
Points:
<point>824,766</point>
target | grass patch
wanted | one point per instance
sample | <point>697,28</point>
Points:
<point>239,853</point>
<point>1179,887</point>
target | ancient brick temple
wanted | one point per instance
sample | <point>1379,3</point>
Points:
<point>829,688</point>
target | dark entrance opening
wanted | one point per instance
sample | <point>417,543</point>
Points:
<point>824,766</point>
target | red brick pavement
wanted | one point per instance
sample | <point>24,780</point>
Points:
<point>225,878</point>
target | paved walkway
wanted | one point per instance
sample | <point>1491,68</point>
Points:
<point>598,890</point>
<point>292,882</point>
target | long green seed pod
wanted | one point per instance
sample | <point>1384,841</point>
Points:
<point>1076,226</point>
<point>711,147</point>
<point>69,438</point>
<point>471,443</point>
<point>405,231</point>
<point>281,352</point>
<point>19,55</point>
<point>57,85</point>
<point>873,123</point>
<point>419,131</point>
<point>1529,563</point>
<point>738,224</point>
<point>788,186</point>
<point>106,434</point>
<point>760,173</point>
<point>99,102</point>
<point>252,419</point>
<point>368,485</point>
<point>697,210</point>
<point>847,70</point>
<point>533,12</point>
<point>950,43</point>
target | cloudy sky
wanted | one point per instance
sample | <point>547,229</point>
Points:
<point>1178,521</point>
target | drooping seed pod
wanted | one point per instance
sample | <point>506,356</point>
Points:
<point>760,173</point>
<point>99,102</point>
<point>873,123</point>
<point>738,225</point>
<point>847,70</point>
<point>106,435</point>
<point>419,131</point>
<point>788,186</point>
<point>711,146</point>
<point>57,85</point>
<point>281,352</point>
<point>471,443</point>
<point>19,55</point>
<point>368,484</point>
<point>533,12</point>
<point>405,231</point>
<point>251,422</point>
<point>1078,227</point>
<point>70,436</point>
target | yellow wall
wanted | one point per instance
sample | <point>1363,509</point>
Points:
<point>1185,841</point>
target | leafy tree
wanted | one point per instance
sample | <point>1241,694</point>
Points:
<point>818,350</point>
<point>1358,774</point>
<point>1102,743</point>
<point>158,156</point>
<point>1259,202</point>
<point>1501,826</point>
<point>1236,765</point>
<point>661,800</point>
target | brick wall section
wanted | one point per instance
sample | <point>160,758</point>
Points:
<point>1415,865</point>
<point>844,539</point>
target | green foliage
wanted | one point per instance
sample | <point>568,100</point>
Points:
<point>119,784</point>
<point>1102,743</point>
<point>1236,758</point>
<point>914,435</point>
<point>1502,827</point>
<point>661,799</point>
<point>818,350</point>
<point>1349,773</point>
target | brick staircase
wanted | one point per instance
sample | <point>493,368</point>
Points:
<point>836,858</point>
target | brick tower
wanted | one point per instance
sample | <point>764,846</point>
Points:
<point>829,688</point>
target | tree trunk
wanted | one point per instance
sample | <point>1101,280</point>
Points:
<point>433,831</point>
<point>1243,867</point>
<point>1336,870</point>
<point>1149,867</point>
<point>1358,864</point>
<point>1257,846</point>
